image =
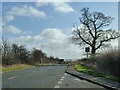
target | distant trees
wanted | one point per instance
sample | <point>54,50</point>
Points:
<point>6,53</point>
<point>13,54</point>
<point>37,56</point>
<point>18,54</point>
<point>92,32</point>
<point>53,59</point>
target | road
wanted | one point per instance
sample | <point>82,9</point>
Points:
<point>68,81</point>
<point>43,77</point>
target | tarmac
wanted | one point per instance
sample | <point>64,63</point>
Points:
<point>106,83</point>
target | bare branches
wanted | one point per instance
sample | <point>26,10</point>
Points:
<point>83,38</point>
<point>80,35</point>
<point>108,35</point>
<point>92,32</point>
<point>97,18</point>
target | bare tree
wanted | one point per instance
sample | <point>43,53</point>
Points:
<point>92,30</point>
<point>20,53</point>
<point>37,56</point>
<point>6,53</point>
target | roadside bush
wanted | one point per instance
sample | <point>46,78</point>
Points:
<point>107,62</point>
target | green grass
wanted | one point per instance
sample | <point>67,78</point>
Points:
<point>45,64</point>
<point>18,67</point>
<point>93,72</point>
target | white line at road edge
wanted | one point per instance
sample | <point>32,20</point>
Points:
<point>62,78</point>
<point>60,81</point>
<point>57,86</point>
<point>12,77</point>
<point>65,74</point>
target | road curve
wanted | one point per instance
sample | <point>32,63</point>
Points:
<point>37,77</point>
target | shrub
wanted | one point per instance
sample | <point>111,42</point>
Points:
<point>106,62</point>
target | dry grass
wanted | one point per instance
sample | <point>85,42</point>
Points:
<point>21,66</point>
<point>94,72</point>
<point>15,67</point>
<point>107,62</point>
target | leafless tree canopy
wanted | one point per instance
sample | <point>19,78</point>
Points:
<point>18,54</point>
<point>92,32</point>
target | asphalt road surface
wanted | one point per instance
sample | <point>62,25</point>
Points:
<point>68,81</point>
<point>43,77</point>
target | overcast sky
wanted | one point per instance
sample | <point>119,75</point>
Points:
<point>48,26</point>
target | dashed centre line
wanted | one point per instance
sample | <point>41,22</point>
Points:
<point>12,77</point>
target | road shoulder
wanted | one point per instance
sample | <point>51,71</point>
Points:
<point>109,84</point>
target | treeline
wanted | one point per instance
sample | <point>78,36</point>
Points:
<point>18,54</point>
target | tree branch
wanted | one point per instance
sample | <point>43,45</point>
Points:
<point>78,32</point>
<point>102,41</point>
<point>87,25</point>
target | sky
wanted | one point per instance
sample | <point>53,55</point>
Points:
<point>48,25</point>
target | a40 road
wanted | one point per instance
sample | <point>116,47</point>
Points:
<point>53,76</point>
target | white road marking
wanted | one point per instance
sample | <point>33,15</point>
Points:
<point>77,79</point>
<point>60,81</point>
<point>63,77</point>
<point>12,77</point>
<point>57,86</point>
<point>65,74</point>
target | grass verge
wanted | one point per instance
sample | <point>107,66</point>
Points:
<point>21,66</point>
<point>45,64</point>
<point>93,72</point>
<point>16,67</point>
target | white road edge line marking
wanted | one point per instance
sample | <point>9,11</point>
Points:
<point>65,74</point>
<point>60,81</point>
<point>12,77</point>
<point>63,77</point>
<point>57,86</point>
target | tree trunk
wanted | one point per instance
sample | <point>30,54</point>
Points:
<point>93,47</point>
<point>93,50</point>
